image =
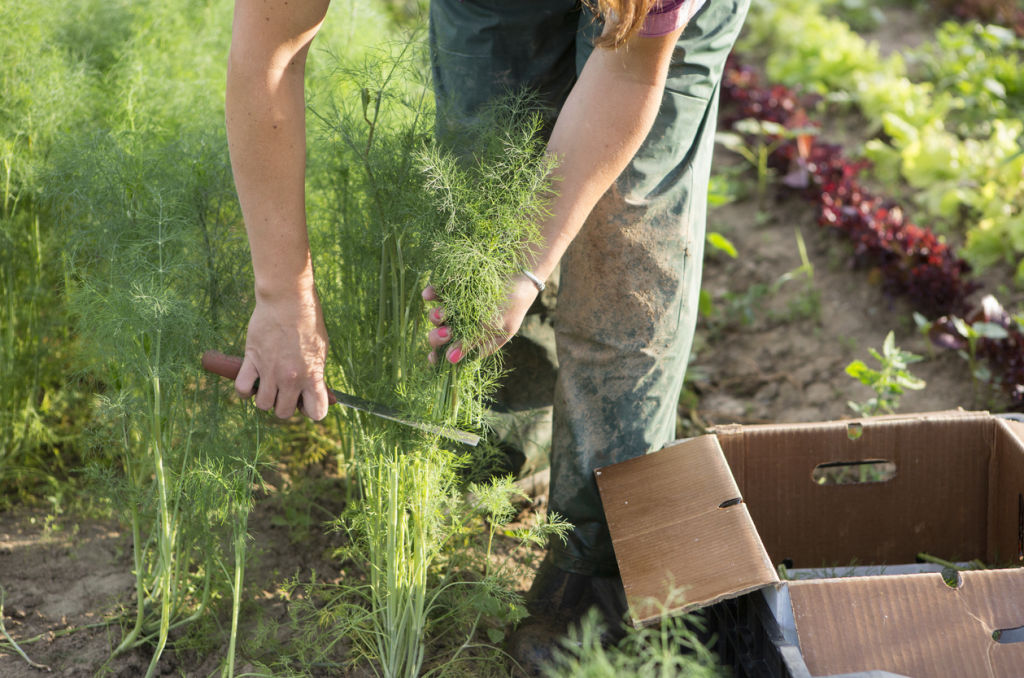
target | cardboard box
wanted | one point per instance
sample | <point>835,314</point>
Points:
<point>710,519</point>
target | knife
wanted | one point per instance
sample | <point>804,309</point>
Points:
<point>227,366</point>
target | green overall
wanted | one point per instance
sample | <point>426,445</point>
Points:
<point>627,298</point>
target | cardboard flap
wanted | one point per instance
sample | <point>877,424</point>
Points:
<point>913,625</point>
<point>1014,426</point>
<point>1006,496</point>
<point>682,535</point>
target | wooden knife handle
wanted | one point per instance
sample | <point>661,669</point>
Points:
<point>227,366</point>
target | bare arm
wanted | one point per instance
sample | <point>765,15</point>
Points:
<point>286,343</point>
<point>599,129</point>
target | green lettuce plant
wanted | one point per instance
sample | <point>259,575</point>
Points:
<point>950,111</point>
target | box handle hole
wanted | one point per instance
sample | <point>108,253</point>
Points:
<point>951,577</point>
<point>1015,635</point>
<point>854,472</point>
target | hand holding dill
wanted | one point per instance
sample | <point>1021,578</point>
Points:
<point>508,317</point>
<point>491,195</point>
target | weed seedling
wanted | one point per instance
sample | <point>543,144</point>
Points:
<point>743,307</point>
<point>888,382</point>
<point>670,648</point>
<point>767,136</point>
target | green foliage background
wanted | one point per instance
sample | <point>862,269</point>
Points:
<point>947,114</point>
<point>112,121</point>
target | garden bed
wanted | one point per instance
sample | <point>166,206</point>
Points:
<point>783,323</point>
<point>776,369</point>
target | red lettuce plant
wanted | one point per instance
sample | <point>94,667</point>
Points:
<point>912,260</point>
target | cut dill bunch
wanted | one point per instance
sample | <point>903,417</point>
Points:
<point>490,194</point>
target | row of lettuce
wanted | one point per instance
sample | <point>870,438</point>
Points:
<point>944,137</point>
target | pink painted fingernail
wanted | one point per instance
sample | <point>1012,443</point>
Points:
<point>454,355</point>
<point>437,314</point>
<point>442,332</point>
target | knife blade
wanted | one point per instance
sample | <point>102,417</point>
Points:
<point>227,366</point>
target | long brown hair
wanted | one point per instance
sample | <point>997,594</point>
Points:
<point>625,16</point>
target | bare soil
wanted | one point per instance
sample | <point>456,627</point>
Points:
<point>780,356</point>
<point>68,582</point>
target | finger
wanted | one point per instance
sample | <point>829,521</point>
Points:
<point>286,403</point>
<point>455,353</point>
<point>266,394</point>
<point>432,357</point>
<point>429,293</point>
<point>436,315</point>
<point>245,382</point>
<point>314,402</point>
<point>439,336</point>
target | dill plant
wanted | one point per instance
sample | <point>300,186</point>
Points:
<point>134,262</point>
<point>79,65</point>
<point>22,299</point>
<point>144,193</point>
<point>371,235</point>
<point>43,92</point>
<point>391,210</point>
<point>490,193</point>
<point>149,216</point>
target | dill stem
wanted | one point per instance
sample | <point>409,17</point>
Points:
<point>165,559</point>
<point>381,306</point>
<point>165,564</point>
<point>8,203</point>
<point>140,593</point>
<point>236,598</point>
<point>397,295</point>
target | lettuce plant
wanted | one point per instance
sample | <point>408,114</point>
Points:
<point>950,111</point>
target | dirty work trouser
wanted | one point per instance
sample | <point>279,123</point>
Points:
<point>627,300</point>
